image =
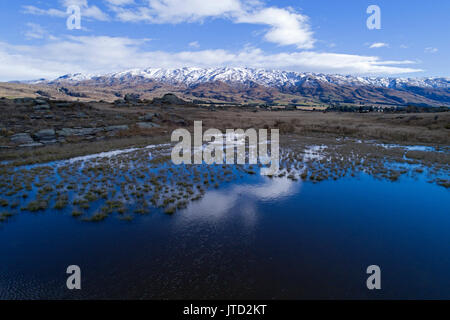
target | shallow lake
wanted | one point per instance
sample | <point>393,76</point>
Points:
<point>253,238</point>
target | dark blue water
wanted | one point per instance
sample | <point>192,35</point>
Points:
<point>259,238</point>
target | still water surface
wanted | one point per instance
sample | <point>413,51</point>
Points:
<point>257,238</point>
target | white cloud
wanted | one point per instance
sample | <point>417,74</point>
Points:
<point>87,11</point>
<point>431,50</point>
<point>194,44</point>
<point>35,31</point>
<point>102,54</point>
<point>48,12</point>
<point>120,2</point>
<point>175,11</point>
<point>94,13</point>
<point>80,3</point>
<point>378,45</point>
<point>286,27</point>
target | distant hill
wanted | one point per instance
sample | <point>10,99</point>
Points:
<point>245,85</point>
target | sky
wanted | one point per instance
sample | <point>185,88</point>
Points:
<point>322,36</point>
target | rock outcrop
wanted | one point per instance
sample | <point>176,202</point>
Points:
<point>147,125</point>
<point>149,117</point>
<point>22,138</point>
<point>50,136</point>
<point>46,136</point>
<point>117,128</point>
<point>169,99</point>
<point>41,107</point>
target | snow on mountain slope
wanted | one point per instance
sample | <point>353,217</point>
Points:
<point>271,78</point>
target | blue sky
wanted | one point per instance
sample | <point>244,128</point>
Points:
<point>326,36</point>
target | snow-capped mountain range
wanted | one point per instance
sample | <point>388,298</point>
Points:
<point>269,78</point>
<point>246,85</point>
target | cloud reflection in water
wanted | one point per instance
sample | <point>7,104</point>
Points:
<point>237,201</point>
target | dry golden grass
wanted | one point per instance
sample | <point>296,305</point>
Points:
<point>423,128</point>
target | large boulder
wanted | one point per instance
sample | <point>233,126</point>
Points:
<point>22,138</point>
<point>119,103</point>
<point>170,99</point>
<point>67,132</point>
<point>147,125</point>
<point>41,107</point>
<point>31,145</point>
<point>40,101</point>
<point>24,101</point>
<point>132,97</point>
<point>148,117</point>
<point>117,128</point>
<point>46,134</point>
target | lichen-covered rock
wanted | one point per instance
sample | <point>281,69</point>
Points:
<point>132,97</point>
<point>52,141</point>
<point>117,128</point>
<point>169,99</point>
<point>46,134</point>
<point>24,101</point>
<point>40,102</point>
<point>147,125</point>
<point>148,117</point>
<point>31,145</point>
<point>41,107</point>
<point>67,132</point>
<point>22,138</point>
